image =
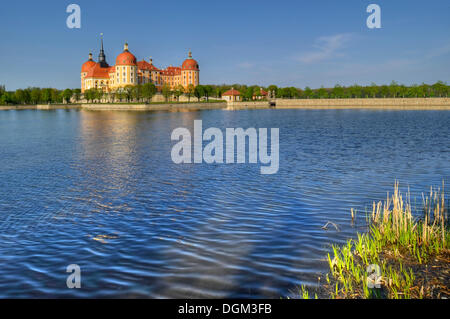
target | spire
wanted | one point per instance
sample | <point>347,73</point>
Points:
<point>125,47</point>
<point>101,56</point>
<point>151,60</point>
<point>90,56</point>
<point>190,54</point>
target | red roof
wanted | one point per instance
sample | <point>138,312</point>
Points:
<point>171,70</point>
<point>87,65</point>
<point>126,58</point>
<point>190,64</point>
<point>262,92</point>
<point>144,65</point>
<point>98,72</point>
<point>232,92</point>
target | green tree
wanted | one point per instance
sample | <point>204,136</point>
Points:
<point>413,91</point>
<point>420,92</point>
<point>178,91</point>
<point>247,92</point>
<point>308,93</point>
<point>99,94</point>
<point>384,91</point>
<point>55,96</point>
<point>337,92</point>
<point>166,91</point>
<point>356,91</point>
<point>120,95</point>
<point>402,90</point>
<point>35,95</point>
<point>322,93</point>
<point>272,89</point>
<point>128,92</point>
<point>19,96</point>
<point>199,92</point>
<point>46,95</point>
<point>77,94</point>
<point>294,92</point>
<point>372,90</point>
<point>148,91</point>
<point>27,96</point>
<point>208,90</point>
<point>256,93</point>
<point>424,90</point>
<point>112,96</point>
<point>218,91</point>
<point>394,89</point>
<point>189,91</point>
<point>67,95</point>
<point>8,98</point>
<point>136,92</point>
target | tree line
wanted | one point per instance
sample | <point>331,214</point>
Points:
<point>145,92</point>
<point>34,95</point>
<point>392,90</point>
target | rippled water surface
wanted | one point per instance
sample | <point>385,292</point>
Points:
<point>99,189</point>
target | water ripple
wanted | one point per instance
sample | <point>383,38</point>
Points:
<point>99,189</point>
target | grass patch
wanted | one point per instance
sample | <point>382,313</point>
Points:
<point>399,257</point>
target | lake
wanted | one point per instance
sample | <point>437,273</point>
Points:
<point>99,189</point>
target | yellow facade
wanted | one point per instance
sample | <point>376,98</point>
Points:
<point>128,71</point>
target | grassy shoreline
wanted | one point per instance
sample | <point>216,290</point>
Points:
<point>402,256</point>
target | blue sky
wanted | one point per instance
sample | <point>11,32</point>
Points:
<point>287,43</point>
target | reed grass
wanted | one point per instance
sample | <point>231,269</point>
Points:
<point>398,243</point>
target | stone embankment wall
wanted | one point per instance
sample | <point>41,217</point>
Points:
<point>378,103</point>
<point>154,107</point>
<point>368,103</point>
<point>40,107</point>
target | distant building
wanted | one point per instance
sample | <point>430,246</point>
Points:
<point>261,96</point>
<point>128,71</point>
<point>231,95</point>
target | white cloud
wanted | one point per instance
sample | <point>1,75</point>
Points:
<point>326,48</point>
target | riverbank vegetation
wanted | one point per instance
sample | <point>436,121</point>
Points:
<point>144,93</point>
<point>35,95</point>
<point>393,90</point>
<point>401,256</point>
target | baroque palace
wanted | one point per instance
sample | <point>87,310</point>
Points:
<point>129,71</point>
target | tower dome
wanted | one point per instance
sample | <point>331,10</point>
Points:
<point>190,63</point>
<point>126,57</point>
<point>88,64</point>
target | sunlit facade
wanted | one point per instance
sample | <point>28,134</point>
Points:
<point>128,71</point>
